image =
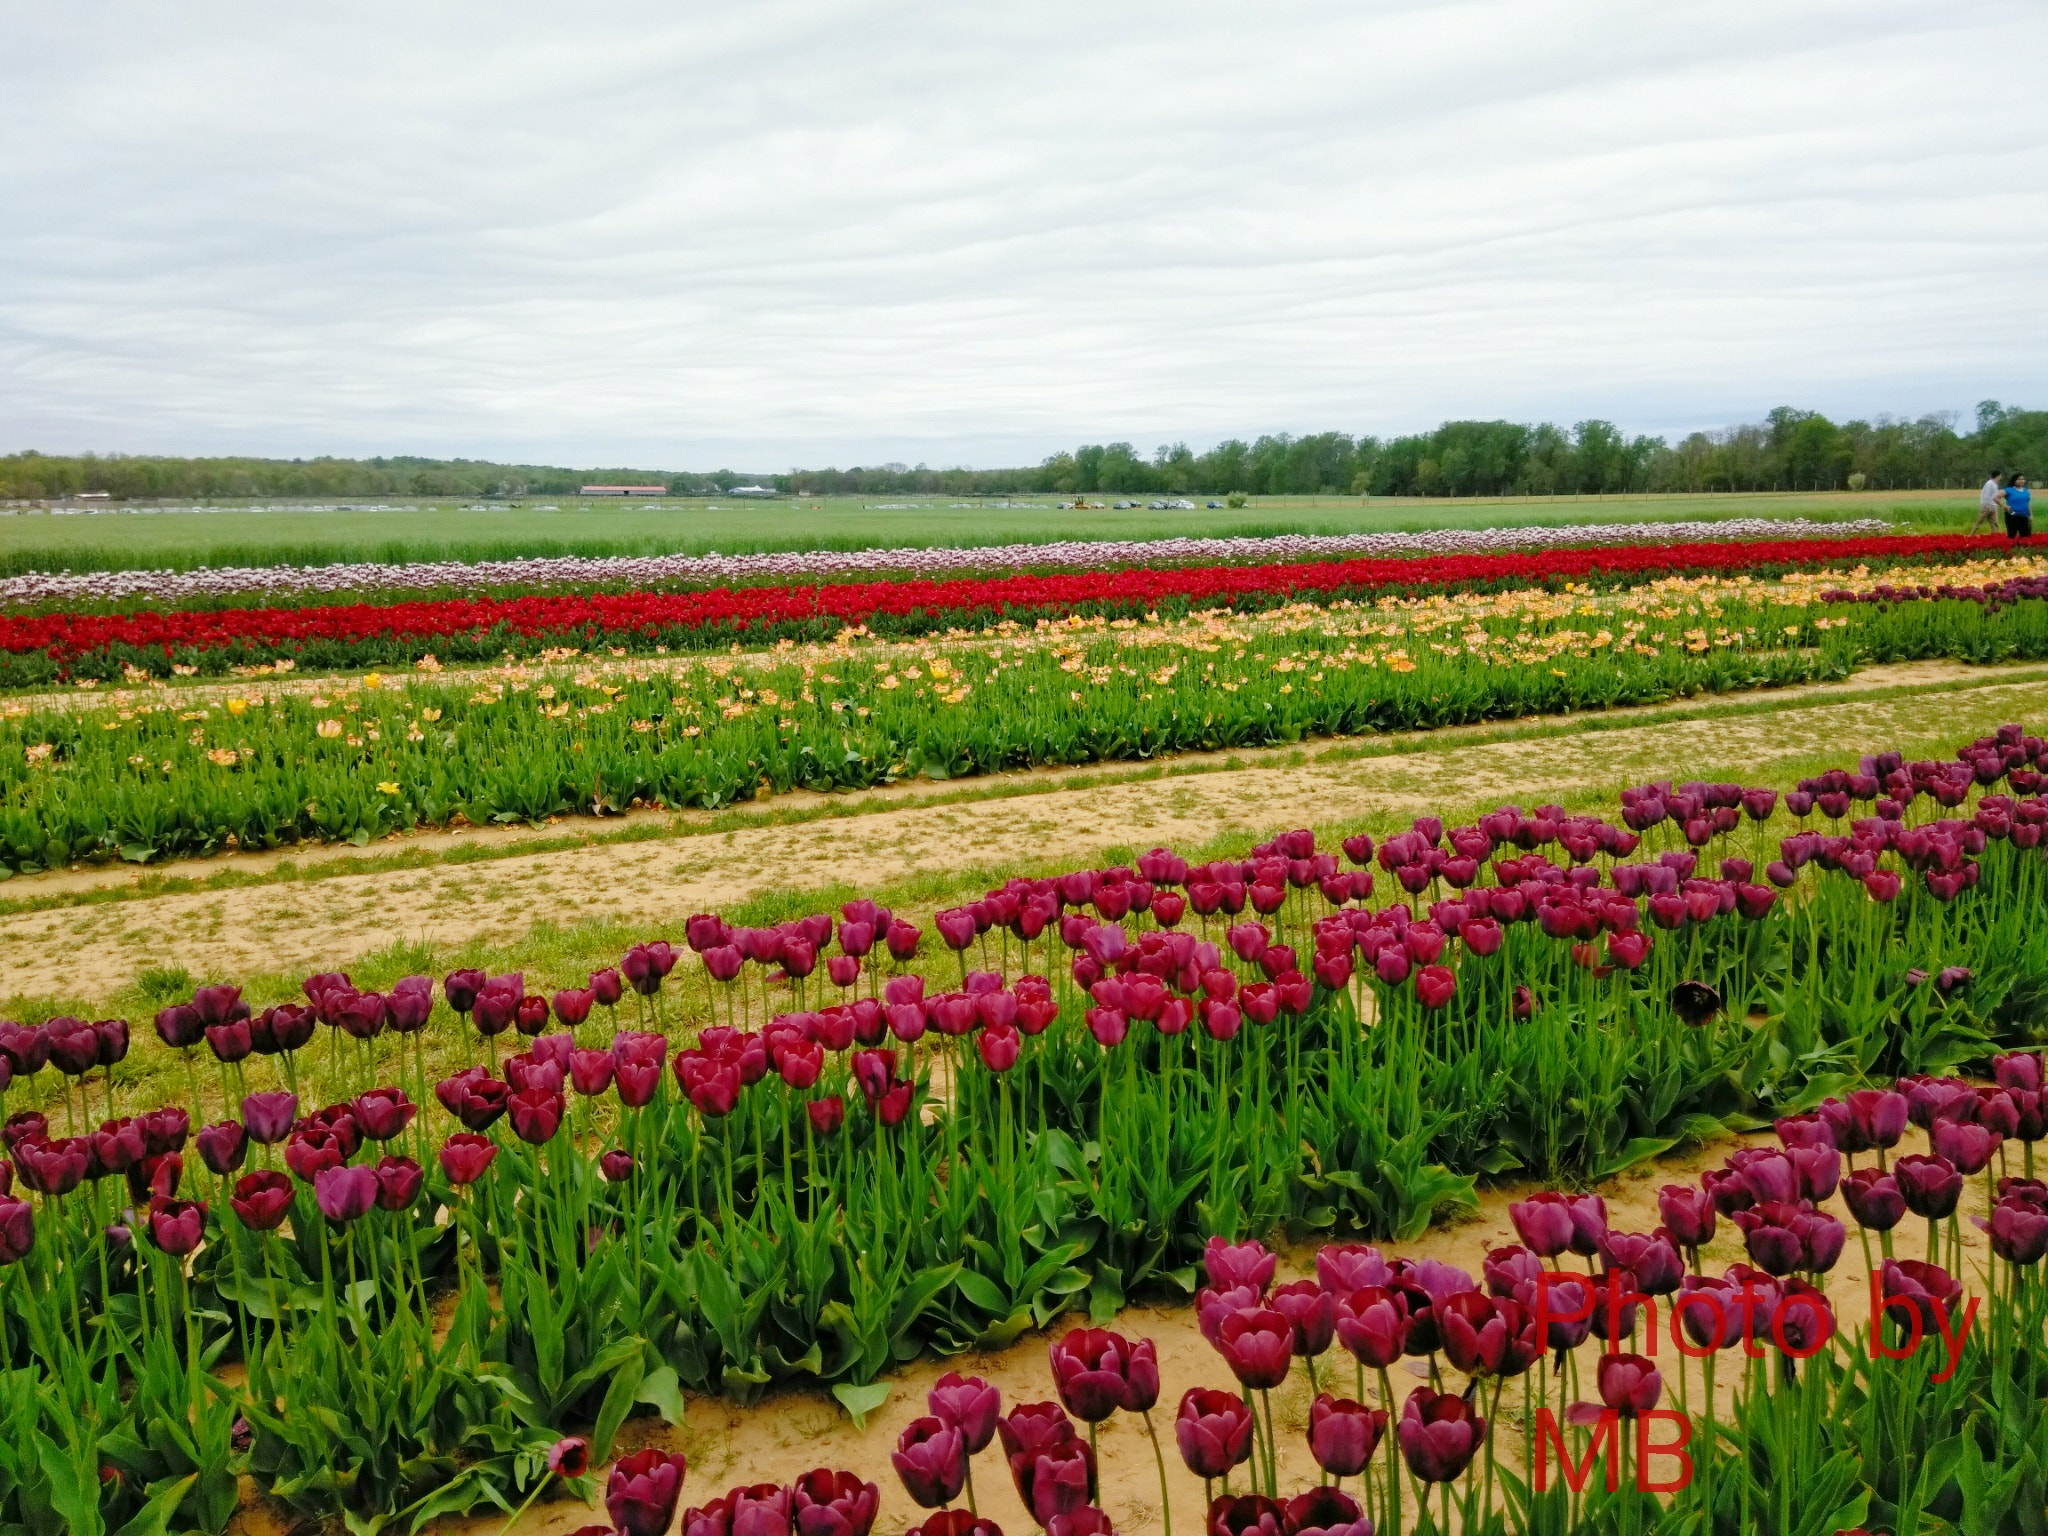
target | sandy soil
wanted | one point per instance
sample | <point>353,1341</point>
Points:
<point>322,924</point>
<point>779,1439</point>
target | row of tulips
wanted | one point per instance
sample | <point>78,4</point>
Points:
<point>38,647</point>
<point>875,1144</point>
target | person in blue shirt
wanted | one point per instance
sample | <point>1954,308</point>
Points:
<point>2019,509</point>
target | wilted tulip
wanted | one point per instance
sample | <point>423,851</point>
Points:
<point>640,1496</point>
<point>931,1461</point>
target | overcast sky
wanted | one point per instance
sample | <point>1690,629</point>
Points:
<point>682,235</point>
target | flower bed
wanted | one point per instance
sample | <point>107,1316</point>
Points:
<point>579,571</point>
<point>45,646</point>
<point>875,1144</point>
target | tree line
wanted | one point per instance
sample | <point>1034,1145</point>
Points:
<point>1790,450</point>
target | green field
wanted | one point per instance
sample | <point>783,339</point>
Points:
<point>115,538</point>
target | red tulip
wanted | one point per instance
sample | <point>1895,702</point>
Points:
<point>262,1200</point>
<point>465,1156</point>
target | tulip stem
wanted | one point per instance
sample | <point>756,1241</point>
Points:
<point>1159,1461</point>
<point>537,1490</point>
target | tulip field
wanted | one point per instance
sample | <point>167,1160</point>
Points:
<point>446,1247</point>
<point>276,756</point>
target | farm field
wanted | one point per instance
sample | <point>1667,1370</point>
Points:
<point>556,912</point>
<point>278,534</point>
<point>731,1019</point>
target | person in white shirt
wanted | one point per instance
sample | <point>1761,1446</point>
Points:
<point>1990,504</point>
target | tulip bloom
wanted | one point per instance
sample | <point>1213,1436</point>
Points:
<point>1439,1434</point>
<point>931,1460</point>
<point>1930,1186</point>
<point>222,1147</point>
<point>1213,1430</point>
<point>1629,1385</point>
<point>1235,1264</point>
<point>1326,1511</point>
<point>536,1114</point>
<point>1313,1312</point>
<point>828,1503</point>
<point>383,1113</point>
<point>1097,1372</point>
<point>398,1183</point>
<point>827,1115</point>
<point>176,1226</point>
<point>1257,1344</point>
<point>343,1194</point>
<point>1372,1324</point>
<point>17,1231</point>
<point>1342,1434</point>
<point>465,1156</point>
<point>640,1496</point>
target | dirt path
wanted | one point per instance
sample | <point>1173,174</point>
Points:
<point>86,952</point>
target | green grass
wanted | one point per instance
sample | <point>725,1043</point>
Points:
<point>268,534</point>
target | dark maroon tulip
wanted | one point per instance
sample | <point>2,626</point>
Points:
<point>759,1510</point>
<point>359,1015</point>
<point>1342,1268</point>
<point>1439,1434</point>
<point>268,1117</point>
<point>1867,1119</point>
<point>1768,1173</point>
<point>118,1145</point>
<point>74,1045</point>
<point>532,1015</point>
<point>1970,1147</point>
<point>1486,1335</point>
<point>1097,1372</point>
<point>17,1231</point>
<point>1085,1521</point>
<point>1372,1324</point>
<point>343,1194</point>
<point>2018,1229</point>
<point>827,1115</point>
<point>713,1519</point>
<point>828,1503</point>
<point>479,1102</point>
<point>178,1026</point>
<point>1651,1257</point>
<point>222,1147</point>
<point>408,1005</point>
<point>931,1461</point>
<point>591,1072</point>
<point>1510,1271</point>
<point>339,1121</point>
<point>616,1165</point>
<point>1930,1186</point>
<point>1258,1346</point>
<point>382,1113</point>
<point>1247,1514</point>
<point>1213,1430</point>
<point>640,1496</point>
<point>1326,1511</point>
<point>286,1027</point>
<point>645,965</point>
<point>219,1004</point>
<point>2020,1069</point>
<point>531,1071</point>
<point>113,1038</point>
<point>1926,1290</point>
<point>1710,1310</point>
<point>1782,1237</point>
<point>536,1115</point>
<point>1342,1434</point>
<point>1056,1479</point>
<point>53,1167</point>
<point>461,989</point>
<point>156,1177</point>
<point>310,1153</point>
<point>1235,1264</point>
<point>24,1125</point>
<point>465,1156</point>
<point>956,1522</point>
<point>1695,1002</point>
<point>231,1042</point>
<point>1544,1223</point>
<point>1874,1199</point>
<point>968,1404</point>
<point>607,987</point>
<point>398,1183</point>
<point>1313,1312</point>
<point>1629,1384</point>
<point>1688,1212</point>
<point>1033,1426</point>
<point>176,1226</point>
<point>573,1004</point>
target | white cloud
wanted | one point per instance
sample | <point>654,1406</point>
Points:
<point>816,232</point>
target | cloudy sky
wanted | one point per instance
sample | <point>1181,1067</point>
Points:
<point>789,232</point>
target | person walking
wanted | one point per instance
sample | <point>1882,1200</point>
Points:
<point>1990,502</point>
<point>2019,509</point>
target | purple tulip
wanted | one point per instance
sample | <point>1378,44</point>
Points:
<point>931,1460</point>
<point>968,1404</point>
<point>1439,1434</point>
<point>1213,1430</point>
